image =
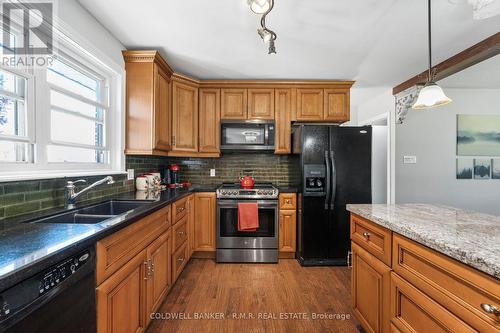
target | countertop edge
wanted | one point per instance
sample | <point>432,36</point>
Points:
<point>481,264</point>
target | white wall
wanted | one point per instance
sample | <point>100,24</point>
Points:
<point>430,135</point>
<point>86,30</point>
<point>379,164</point>
<point>371,102</point>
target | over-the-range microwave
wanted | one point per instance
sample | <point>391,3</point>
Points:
<point>237,135</point>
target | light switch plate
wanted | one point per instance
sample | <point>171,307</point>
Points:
<point>212,172</point>
<point>410,159</point>
<point>130,174</point>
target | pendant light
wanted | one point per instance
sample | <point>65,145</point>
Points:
<point>431,94</point>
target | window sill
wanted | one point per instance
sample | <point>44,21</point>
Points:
<point>36,175</point>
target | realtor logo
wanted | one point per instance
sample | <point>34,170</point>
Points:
<point>27,28</point>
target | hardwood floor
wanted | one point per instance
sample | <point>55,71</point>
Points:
<point>257,298</point>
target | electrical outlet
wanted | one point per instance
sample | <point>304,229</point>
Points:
<point>130,174</point>
<point>409,159</point>
<point>212,172</point>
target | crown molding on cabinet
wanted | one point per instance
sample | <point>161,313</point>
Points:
<point>147,56</point>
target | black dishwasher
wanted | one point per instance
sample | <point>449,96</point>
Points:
<point>60,298</point>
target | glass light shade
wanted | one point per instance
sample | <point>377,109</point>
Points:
<point>259,6</point>
<point>431,96</point>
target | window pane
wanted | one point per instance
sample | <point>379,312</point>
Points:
<point>72,104</point>
<point>12,83</point>
<point>12,117</point>
<point>15,151</point>
<point>75,155</point>
<point>72,128</point>
<point>69,78</point>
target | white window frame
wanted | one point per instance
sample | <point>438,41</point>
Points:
<point>82,54</point>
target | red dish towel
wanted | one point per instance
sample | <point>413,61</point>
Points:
<point>248,216</point>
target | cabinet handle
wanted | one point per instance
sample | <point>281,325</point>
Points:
<point>146,267</point>
<point>181,259</point>
<point>366,234</point>
<point>180,209</point>
<point>181,233</point>
<point>349,256</point>
<point>491,309</point>
<point>152,268</point>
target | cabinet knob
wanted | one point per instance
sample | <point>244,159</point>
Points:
<point>491,309</point>
<point>366,234</point>
<point>287,201</point>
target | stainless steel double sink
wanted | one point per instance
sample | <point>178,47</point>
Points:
<point>94,214</point>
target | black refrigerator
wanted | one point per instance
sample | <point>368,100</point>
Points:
<point>335,167</point>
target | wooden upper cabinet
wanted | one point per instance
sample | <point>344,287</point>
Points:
<point>162,110</point>
<point>309,104</point>
<point>209,120</point>
<point>233,103</point>
<point>184,116</point>
<point>147,103</point>
<point>336,106</point>
<point>204,221</point>
<point>283,121</point>
<point>260,104</point>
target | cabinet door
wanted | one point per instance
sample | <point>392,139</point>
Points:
<point>261,104</point>
<point>287,231</point>
<point>309,104</point>
<point>162,111</point>
<point>204,222</point>
<point>283,121</point>
<point>337,105</point>
<point>370,283</point>
<point>190,225</point>
<point>209,110</point>
<point>184,117</point>
<point>159,255</point>
<point>121,298</point>
<point>233,104</point>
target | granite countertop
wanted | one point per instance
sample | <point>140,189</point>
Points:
<point>26,248</point>
<point>470,237</point>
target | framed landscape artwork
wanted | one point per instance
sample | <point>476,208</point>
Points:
<point>482,168</point>
<point>465,168</point>
<point>478,135</point>
<point>495,168</point>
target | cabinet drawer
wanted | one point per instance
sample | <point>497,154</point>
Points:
<point>457,287</point>
<point>179,260</point>
<point>179,210</point>
<point>117,249</point>
<point>413,311</point>
<point>179,233</point>
<point>375,239</point>
<point>288,201</point>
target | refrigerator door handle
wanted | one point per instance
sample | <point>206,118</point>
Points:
<point>327,197</point>
<point>334,181</point>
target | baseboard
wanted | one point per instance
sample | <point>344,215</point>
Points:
<point>203,255</point>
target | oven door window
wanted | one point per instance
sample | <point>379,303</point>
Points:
<point>244,135</point>
<point>229,223</point>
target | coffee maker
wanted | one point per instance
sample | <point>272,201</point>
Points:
<point>171,176</point>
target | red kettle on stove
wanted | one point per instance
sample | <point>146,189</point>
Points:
<point>247,182</point>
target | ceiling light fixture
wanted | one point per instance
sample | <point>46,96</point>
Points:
<point>259,6</point>
<point>431,94</point>
<point>267,35</point>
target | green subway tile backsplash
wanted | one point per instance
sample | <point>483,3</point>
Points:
<point>18,198</point>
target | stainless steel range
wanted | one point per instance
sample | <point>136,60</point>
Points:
<point>260,245</point>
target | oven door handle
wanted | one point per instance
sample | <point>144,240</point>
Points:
<point>260,203</point>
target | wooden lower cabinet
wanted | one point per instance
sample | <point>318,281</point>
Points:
<point>204,222</point>
<point>370,283</point>
<point>159,282</point>
<point>121,299</point>
<point>413,311</point>
<point>287,232</point>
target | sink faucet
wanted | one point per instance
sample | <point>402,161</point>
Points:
<point>70,195</point>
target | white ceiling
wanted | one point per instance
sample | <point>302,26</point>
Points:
<point>485,75</point>
<point>375,42</point>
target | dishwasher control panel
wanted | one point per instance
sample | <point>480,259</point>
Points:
<point>27,291</point>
